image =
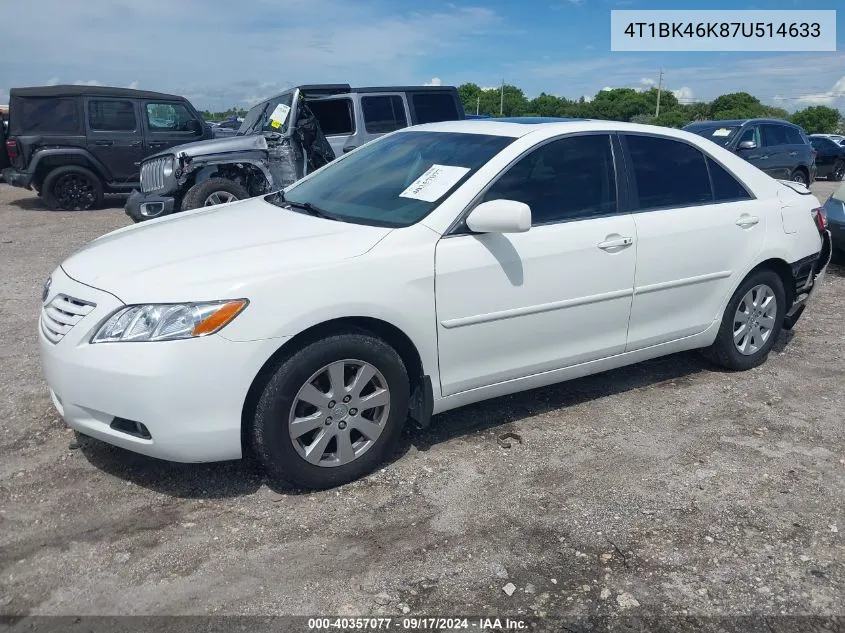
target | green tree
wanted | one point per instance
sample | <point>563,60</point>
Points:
<point>470,94</point>
<point>672,118</point>
<point>736,105</point>
<point>817,119</point>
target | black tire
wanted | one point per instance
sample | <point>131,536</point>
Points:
<point>838,171</point>
<point>200,193</point>
<point>723,351</point>
<point>799,175</point>
<point>72,188</point>
<point>271,438</point>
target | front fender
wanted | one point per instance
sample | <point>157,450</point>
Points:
<point>201,169</point>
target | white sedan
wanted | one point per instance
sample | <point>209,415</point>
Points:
<point>438,266</point>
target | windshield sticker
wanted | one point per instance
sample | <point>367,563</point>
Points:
<point>722,131</point>
<point>436,181</point>
<point>280,115</point>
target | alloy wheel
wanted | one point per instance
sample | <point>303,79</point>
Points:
<point>754,320</point>
<point>339,413</point>
<point>219,197</point>
<point>74,191</point>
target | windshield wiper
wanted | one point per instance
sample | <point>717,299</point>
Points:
<point>311,209</point>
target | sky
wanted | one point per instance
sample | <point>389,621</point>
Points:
<point>221,54</point>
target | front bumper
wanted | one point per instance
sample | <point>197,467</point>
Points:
<point>188,394</point>
<point>17,178</point>
<point>142,206</point>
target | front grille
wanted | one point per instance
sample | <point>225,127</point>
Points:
<point>152,174</point>
<point>61,314</point>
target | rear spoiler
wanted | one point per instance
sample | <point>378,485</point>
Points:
<point>797,187</point>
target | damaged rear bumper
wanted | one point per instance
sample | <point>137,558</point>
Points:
<point>808,275</point>
<point>146,206</point>
<point>17,178</point>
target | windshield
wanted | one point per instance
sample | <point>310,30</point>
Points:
<point>397,180</point>
<point>721,134</point>
<point>267,116</point>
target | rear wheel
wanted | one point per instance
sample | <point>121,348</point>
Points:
<point>72,188</point>
<point>332,411</point>
<point>799,175</point>
<point>752,322</point>
<point>838,171</point>
<point>212,192</point>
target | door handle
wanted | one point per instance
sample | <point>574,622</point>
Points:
<point>136,144</point>
<point>747,221</point>
<point>793,153</point>
<point>104,143</point>
<point>349,148</point>
<point>617,243</point>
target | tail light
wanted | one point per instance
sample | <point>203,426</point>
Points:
<point>12,149</point>
<point>820,219</point>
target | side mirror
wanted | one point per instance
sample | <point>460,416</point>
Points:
<point>195,126</point>
<point>500,216</point>
<point>747,145</point>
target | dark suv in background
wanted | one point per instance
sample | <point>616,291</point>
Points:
<point>73,144</point>
<point>777,147</point>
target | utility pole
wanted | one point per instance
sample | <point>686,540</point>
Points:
<point>502,99</point>
<point>477,104</point>
<point>659,88</point>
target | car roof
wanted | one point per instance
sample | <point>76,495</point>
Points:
<point>517,127</point>
<point>100,91</point>
<point>716,123</point>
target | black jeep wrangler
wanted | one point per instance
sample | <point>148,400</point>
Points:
<point>73,144</point>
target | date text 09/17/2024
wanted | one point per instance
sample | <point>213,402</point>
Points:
<point>418,624</point>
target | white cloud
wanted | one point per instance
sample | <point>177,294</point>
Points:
<point>87,82</point>
<point>435,81</point>
<point>684,93</point>
<point>53,81</point>
<point>134,85</point>
<point>301,41</point>
<point>829,97</point>
<point>646,82</point>
<point>588,98</point>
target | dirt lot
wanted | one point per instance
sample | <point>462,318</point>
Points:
<point>664,488</point>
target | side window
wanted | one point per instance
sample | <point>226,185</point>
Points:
<point>793,135</point>
<point>568,179</point>
<point>334,116</point>
<point>725,187</point>
<point>37,114</point>
<point>668,173</point>
<point>774,135</point>
<point>169,117</point>
<point>432,107</point>
<point>383,114</point>
<point>751,134</point>
<point>111,116</point>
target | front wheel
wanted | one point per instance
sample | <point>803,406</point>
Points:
<point>332,411</point>
<point>212,192</point>
<point>751,324</point>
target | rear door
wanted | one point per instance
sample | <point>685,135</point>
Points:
<point>114,136</point>
<point>336,116</point>
<point>826,156</point>
<point>698,230</point>
<point>433,106</point>
<point>168,123</point>
<point>381,113</point>
<point>777,146</point>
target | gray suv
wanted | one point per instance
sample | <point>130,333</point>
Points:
<point>281,140</point>
<point>777,147</point>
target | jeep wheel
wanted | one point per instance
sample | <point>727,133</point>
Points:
<point>72,188</point>
<point>212,192</point>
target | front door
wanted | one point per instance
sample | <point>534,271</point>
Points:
<point>114,137</point>
<point>513,305</point>
<point>336,116</point>
<point>168,123</point>
<point>693,213</point>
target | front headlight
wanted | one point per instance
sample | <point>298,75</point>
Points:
<point>167,168</point>
<point>167,321</point>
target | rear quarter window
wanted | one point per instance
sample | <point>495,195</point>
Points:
<point>433,107</point>
<point>44,115</point>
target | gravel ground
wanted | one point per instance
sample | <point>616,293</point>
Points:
<point>664,488</point>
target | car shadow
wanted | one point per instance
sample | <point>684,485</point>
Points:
<point>36,203</point>
<point>244,477</point>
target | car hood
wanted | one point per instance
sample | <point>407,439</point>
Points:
<point>220,145</point>
<point>215,251</point>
